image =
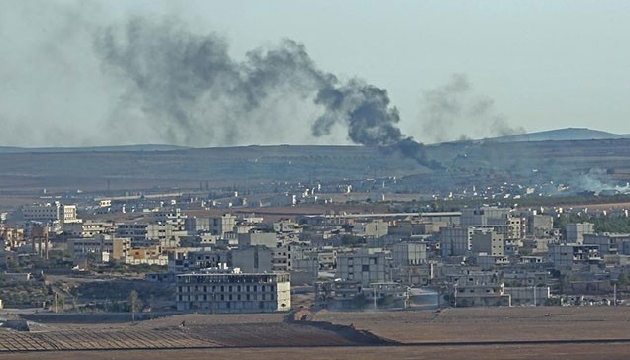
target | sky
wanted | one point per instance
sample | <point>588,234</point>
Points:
<point>217,73</point>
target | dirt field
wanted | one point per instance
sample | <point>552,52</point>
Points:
<point>578,352</point>
<point>493,324</point>
<point>501,333</point>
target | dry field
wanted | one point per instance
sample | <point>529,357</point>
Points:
<point>493,324</point>
<point>488,333</point>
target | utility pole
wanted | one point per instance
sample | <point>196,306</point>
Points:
<point>534,288</point>
<point>374,292</point>
<point>455,295</point>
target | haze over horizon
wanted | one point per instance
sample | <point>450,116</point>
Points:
<point>204,73</point>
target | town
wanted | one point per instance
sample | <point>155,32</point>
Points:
<point>168,253</point>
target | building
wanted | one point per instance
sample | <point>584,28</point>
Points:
<point>575,232</point>
<point>564,256</point>
<point>485,216</point>
<point>409,253</point>
<point>173,217</point>
<point>106,247</point>
<point>491,262</point>
<point>183,261</point>
<point>539,225</point>
<point>372,230</point>
<point>364,265</point>
<point>220,226</point>
<point>456,241</point>
<point>488,242</point>
<point>476,288</point>
<point>253,259</point>
<point>530,295</point>
<point>136,232</point>
<point>609,244</point>
<point>87,229</point>
<point>231,291</point>
<point>255,237</point>
<point>50,213</point>
<point>351,295</point>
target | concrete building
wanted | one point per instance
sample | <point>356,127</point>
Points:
<point>609,243</point>
<point>539,225</point>
<point>231,291</point>
<point>192,260</point>
<point>87,228</point>
<point>151,255</point>
<point>514,228</point>
<point>220,225</point>
<point>136,232</point>
<point>372,230</point>
<point>488,242</point>
<point>172,217</point>
<point>484,217</point>
<point>279,200</point>
<point>409,253</point>
<point>476,288</point>
<point>51,213</point>
<point>106,247</point>
<point>367,265</point>
<point>456,241</point>
<point>575,232</point>
<point>253,259</point>
<point>530,295</point>
<point>564,256</point>
<point>254,237</point>
<point>491,262</point>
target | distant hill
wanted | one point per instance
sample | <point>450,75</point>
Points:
<point>118,148</point>
<point>560,134</point>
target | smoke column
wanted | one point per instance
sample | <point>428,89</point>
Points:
<point>194,92</point>
<point>454,107</point>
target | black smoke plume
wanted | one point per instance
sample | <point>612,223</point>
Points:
<point>195,92</point>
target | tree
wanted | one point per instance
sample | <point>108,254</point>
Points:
<point>133,302</point>
<point>623,280</point>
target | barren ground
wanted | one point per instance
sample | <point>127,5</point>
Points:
<point>600,332</point>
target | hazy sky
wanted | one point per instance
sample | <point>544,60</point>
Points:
<point>71,73</point>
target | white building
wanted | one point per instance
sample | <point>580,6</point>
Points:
<point>230,291</point>
<point>50,213</point>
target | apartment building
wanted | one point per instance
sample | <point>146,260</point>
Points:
<point>232,291</point>
<point>50,213</point>
<point>107,246</point>
<point>364,265</point>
